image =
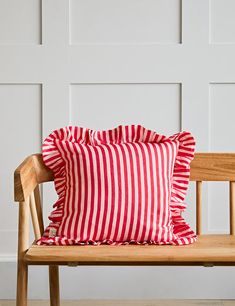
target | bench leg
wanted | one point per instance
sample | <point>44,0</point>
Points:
<point>54,286</point>
<point>22,284</point>
<point>22,267</point>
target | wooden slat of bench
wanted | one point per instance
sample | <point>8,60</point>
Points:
<point>208,248</point>
<point>213,167</point>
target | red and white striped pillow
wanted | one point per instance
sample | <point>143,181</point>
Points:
<point>125,185</point>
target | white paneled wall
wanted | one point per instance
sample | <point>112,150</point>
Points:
<point>166,64</point>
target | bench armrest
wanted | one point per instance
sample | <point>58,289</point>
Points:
<point>28,175</point>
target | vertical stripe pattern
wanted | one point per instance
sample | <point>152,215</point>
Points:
<point>120,186</point>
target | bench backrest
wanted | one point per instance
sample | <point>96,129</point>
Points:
<point>204,167</point>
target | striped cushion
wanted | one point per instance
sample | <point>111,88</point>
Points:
<point>125,185</point>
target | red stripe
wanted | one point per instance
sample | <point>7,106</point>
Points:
<point>126,206</point>
<point>145,210</point>
<point>92,186</point>
<point>105,192</point>
<point>98,191</point>
<point>139,204</point>
<point>132,190</point>
<point>112,193</point>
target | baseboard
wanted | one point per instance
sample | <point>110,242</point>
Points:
<point>128,303</point>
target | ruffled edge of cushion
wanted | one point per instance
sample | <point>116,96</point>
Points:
<point>181,174</point>
<point>183,234</point>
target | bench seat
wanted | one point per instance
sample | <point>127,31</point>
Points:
<point>208,250</point>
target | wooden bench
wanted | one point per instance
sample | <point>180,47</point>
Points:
<point>209,250</point>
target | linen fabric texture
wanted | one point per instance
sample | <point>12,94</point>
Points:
<point>120,186</point>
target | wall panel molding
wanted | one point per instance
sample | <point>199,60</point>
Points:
<point>23,24</point>
<point>21,124</point>
<point>150,104</point>
<point>125,22</point>
<point>222,22</point>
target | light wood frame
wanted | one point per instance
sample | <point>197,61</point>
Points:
<point>209,250</point>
